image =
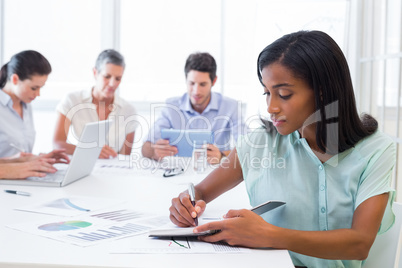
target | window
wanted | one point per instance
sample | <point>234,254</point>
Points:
<point>66,32</point>
<point>157,36</point>
<point>380,62</point>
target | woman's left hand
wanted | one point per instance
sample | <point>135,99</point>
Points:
<point>241,228</point>
<point>59,155</point>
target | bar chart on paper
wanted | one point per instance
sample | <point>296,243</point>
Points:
<point>99,234</point>
<point>92,229</point>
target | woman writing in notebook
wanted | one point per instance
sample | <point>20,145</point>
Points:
<point>21,80</point>
<point>99,103</point>
<point>331,167</point>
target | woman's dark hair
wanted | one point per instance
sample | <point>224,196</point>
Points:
<point>24,64</point>
<point>316,58</point>
<point>202,62</point>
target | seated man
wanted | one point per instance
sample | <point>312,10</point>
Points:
<point>199,108</point>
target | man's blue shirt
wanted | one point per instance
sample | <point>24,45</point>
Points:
<point>222,116</point>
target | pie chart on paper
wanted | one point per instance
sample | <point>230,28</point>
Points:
<point>64,226</point>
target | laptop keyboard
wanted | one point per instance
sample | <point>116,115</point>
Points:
<point>50,177</point>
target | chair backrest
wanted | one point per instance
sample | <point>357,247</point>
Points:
<point>386,250</point>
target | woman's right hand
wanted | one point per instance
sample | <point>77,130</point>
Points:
<point>182,212</point>
<point>33,168</point>
<point>107,153</point>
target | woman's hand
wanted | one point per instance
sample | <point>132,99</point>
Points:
<point>240,227</point>
<point>34,168</point>
<point>107,153</point>
<point>182,212</point>
<point>24,157</point>
<point>58,154</point>
<point>214,156</point>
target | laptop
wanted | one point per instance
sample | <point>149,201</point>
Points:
<point>183,139</point>
<point>82,162</point>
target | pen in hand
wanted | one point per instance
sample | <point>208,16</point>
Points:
<point>191,192</point>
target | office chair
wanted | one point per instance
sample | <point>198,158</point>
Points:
<point>386,250</point>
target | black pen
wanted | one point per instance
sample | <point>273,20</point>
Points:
<point>191,192</point>
<point>17,192</point>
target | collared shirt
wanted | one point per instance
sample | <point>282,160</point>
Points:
<point>319,196</point>
<point>14,129</point>
<point>78,108</point>
<point>223,116</point>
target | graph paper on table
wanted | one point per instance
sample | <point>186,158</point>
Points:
<point>95,228</point>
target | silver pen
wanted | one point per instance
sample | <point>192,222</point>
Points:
<point>17,192</point>
<point>16,147</point>
<point>191,192</point>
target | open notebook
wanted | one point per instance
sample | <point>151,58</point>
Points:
<point>175,231</point>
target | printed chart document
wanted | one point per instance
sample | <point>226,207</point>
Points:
<point>71,206</point>
<point>95,228</point>
<point>114,166</point>
<point>142,244</point>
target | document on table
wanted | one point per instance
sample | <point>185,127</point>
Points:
<point>71,206</point>
<point>172,239</point>
<point>170,229</point>
<point>173,230</point>
<point>95,228</point>
<point>113,166</point>
<point>142,244</point>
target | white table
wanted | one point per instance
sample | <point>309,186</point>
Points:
<point>141,189</point>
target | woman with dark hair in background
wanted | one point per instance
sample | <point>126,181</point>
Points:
<point>20,82</point>
<point>331,167</point>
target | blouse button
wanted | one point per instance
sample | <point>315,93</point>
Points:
<point>322,210</point>
<point>320,167</point>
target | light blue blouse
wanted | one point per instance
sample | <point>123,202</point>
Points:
<point>223,116</point>
<point>14,129</point>
<point>318,196</point>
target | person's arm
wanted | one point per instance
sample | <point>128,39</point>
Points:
<point>60,138</point>
<point>61,132</point>
<point>128,144</point>
<point>158,150</point>
<point>58,154</point>
<point>147,150</point>
<point>11,160</point>
<point>245,228</point>
<point>236,125</point>
<point>33,168</point>
<point>222,179</point>
<point>214,156</point>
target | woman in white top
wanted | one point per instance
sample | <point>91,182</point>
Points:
<point>98,103</point>
<point>21,80</point>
